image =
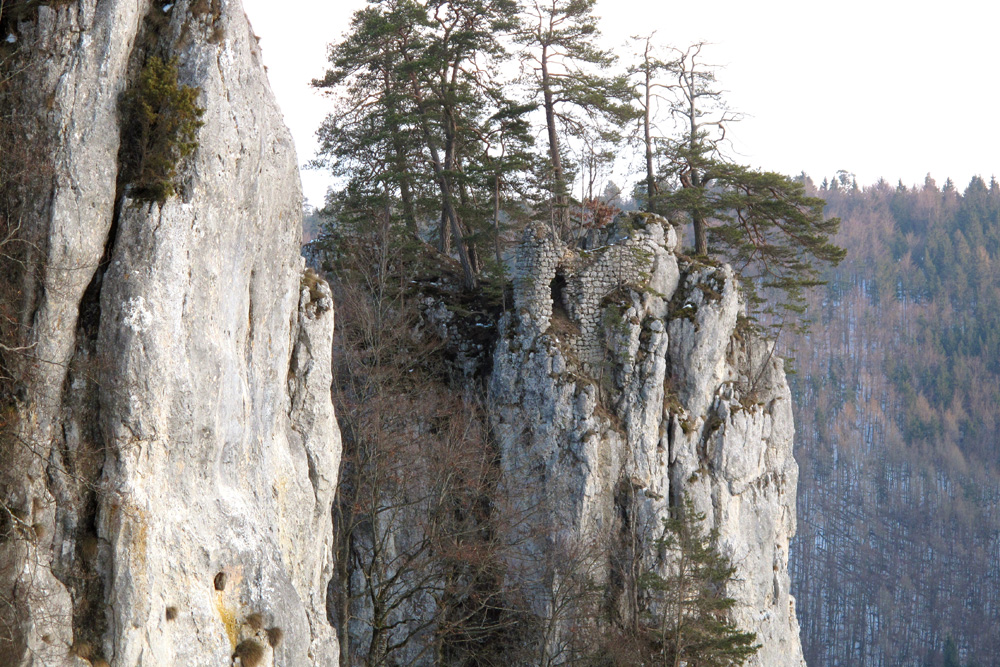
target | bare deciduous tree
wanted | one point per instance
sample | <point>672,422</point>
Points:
<point>419,532</point>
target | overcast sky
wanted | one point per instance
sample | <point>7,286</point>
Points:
<point>880,88</point>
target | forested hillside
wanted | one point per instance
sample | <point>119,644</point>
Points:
<point>896,395</point>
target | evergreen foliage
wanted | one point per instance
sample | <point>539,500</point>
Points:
<point>160,129</point>
<point>435,160</point>
<point>427,135</point>
<point>951,654</point>
<point>775,236</point>
<point>688,619</point>
<point>568,78</point>
<point>422,126</point>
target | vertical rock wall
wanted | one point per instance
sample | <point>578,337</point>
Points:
<point>622,384</point>
<point>178,438</point>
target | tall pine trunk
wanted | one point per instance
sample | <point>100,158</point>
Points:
<point>650,177</point>
<point>447,197</point>
<point>558,177</point>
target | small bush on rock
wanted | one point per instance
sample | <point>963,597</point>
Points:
<point>160,129</point>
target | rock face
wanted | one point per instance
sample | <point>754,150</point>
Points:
<point>178,446</point>
<point>624,382</point>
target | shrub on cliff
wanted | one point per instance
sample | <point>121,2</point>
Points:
<point>161,122</point>
<point>688,621</point>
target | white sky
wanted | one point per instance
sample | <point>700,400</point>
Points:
<point>881,88</point>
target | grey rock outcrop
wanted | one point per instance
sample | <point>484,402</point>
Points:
<point>178,442</point>
<point>624,382</point>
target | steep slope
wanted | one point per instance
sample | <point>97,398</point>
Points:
<point>177,446</point>
<point>623,383</point>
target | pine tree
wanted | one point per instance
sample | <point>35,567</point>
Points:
<point>693,153</point>
<point>775,236</point>
<point>951,654</point>
<point>419,106</point>
<point>560,37</point>
<point>371,139</point>
<point>687,621</point>
<point>647,88</point>
<point>763,223</point>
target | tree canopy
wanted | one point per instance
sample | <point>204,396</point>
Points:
<point>443,149</point>
<point>774,234</point>
<point>432,132</point>
<point>895,407</point>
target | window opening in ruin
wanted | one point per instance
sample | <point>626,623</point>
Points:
<point>558,287</point>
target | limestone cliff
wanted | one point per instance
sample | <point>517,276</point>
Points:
<point>624,381</point>
<point>167,484</point>
<point>176,448</point>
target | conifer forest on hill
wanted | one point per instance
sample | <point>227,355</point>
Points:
<point>896,391</point>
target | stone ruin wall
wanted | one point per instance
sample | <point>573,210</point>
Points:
<point>549,273</point>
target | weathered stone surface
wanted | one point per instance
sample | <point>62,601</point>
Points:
<point>190,366</point>
<point>603,427</point>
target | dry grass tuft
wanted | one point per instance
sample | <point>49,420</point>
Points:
<point>274,636</point>
<point>255,621</point>
<point>250,652</point>
<point>81,650</point>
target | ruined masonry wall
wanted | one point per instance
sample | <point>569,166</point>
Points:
<point>590,276</point>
